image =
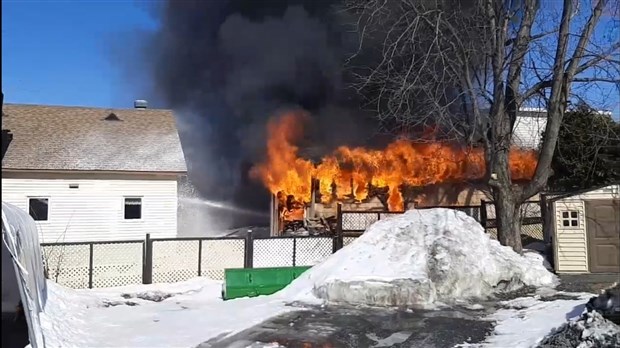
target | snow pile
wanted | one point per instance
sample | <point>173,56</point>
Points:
<point>543,250</point>
<point>416,259</point>
<point>607,303</point>
<point>591,330</point>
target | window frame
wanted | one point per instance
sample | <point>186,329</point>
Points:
<point>49,207</point>
<point>141,218</point>
<point>570,219</point>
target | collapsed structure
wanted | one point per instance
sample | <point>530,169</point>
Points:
<point>292,217</point>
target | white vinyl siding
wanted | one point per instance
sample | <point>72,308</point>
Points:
<point>528,131</point>
<point>95,210</point>
<point>571,242</point>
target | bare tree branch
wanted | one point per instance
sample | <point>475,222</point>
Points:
<point>596,79</point>
<point>560,88</point>
<point>466,67</point>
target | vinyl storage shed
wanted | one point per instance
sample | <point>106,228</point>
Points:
<point>587,231</point>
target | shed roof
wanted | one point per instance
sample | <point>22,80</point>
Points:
<point>92,139</point>
<point>612,189</point>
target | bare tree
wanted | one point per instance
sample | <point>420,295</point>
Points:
<point>468,66</point>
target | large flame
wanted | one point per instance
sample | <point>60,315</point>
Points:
<point>351,170</point>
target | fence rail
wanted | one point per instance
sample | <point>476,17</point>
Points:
<point>353,223</point>
<point>166,260</point>
<point>94,264</point>
<point>117,263</point>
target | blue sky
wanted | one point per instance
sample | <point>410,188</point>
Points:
<point>71,52</point>
<point>79,52</point>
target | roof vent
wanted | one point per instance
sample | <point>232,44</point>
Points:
<point>140,104</point>
<point>112,117</point>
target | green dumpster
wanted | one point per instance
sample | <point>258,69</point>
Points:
<point>251,282</point>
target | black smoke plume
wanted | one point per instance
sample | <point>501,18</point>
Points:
<point>226,67</point>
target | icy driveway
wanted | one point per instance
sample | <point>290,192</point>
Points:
<point>518,323</point>
<point>348,327</point>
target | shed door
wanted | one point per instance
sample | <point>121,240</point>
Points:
<point>603,226</point>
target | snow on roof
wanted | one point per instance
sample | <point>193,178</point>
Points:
<point>88,139</point>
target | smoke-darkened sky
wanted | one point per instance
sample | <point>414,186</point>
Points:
<point>226,67</point>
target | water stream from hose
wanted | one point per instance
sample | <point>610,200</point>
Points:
<point>223,206</point>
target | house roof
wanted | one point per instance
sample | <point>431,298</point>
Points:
<point>532,112</point>
<point>91,139</point>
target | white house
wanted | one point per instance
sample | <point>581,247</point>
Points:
<point>529,127</point>
<point>586,231</point>
<point>93,174</point>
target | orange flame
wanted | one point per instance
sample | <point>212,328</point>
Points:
<point>351,170</point>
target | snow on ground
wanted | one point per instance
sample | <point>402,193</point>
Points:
<point>417,259</point>
<point>420,258</point>
<point>159,315</point>
<point>525,321</point>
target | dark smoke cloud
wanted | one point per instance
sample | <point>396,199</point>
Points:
<point>226,67</point>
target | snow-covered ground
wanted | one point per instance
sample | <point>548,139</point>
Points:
<point>188,313</point>
<point>421,258</point>
<point>525,321</point>
<point>131,317</point>
<point>531,321</point>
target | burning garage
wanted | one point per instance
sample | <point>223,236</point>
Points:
<point>404,174</point>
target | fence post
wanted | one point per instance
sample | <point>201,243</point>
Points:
<point>147,262</point>
<point>90,265</point>
<point>543,217</point>
<point>339,241</point>
<point>547,227</point>
<point>249,250</point>
<point>200,257</point>
<point>483,213</point>
<point>294,250</point>
<point>334,244</point>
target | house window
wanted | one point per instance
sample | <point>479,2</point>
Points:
<point>133,208</point>
<point>570,218</point>
<point>38,208</point>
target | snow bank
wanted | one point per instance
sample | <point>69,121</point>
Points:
<point>416,259</point>
<point>591,330</point>
<point>543,250</point>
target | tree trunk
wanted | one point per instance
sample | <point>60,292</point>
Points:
<point>507,213</point>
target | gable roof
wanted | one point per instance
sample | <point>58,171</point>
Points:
<point>81,139</point>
